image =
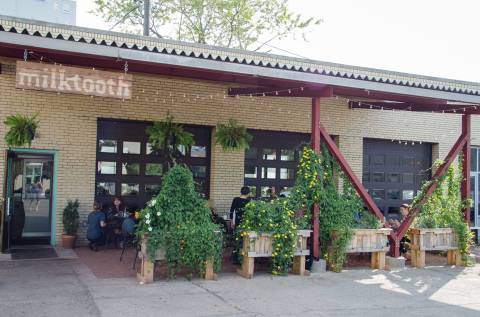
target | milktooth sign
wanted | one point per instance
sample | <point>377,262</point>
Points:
<point>73,80</point>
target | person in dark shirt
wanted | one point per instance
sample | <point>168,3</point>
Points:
<point>238,205</point>
<point>236,214</point>
<point>96,221</point>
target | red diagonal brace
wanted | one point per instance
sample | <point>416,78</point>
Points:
<point>396,236</point>
<point>362,192</point>
<point>466,164</point>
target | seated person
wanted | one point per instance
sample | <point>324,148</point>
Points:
<point>395,224</point>
<point>96,221</point>
<point>238,203</point>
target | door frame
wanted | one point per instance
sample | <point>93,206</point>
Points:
<point>55,155</point>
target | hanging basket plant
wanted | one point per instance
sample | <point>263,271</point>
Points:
<point>232,136</point>
<point>22,130</point>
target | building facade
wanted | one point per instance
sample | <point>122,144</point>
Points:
<point>91,147</point>
<point>55,11</point>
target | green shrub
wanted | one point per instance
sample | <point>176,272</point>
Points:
<point>22,130</point>
<point>70,217</point>
<point>232,136</point>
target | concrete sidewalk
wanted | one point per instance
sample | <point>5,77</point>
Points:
<point>68,288</point>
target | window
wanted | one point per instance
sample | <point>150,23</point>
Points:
<point>127,166</point>
<point>131,147</point>
<point>271,162</point>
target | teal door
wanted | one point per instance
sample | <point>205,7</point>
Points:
<point>29,199</point>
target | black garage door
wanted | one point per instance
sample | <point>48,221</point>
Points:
<point>393,173</point>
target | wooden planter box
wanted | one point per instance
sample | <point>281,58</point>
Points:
<point>147,267</point>
<point>435,239</point>
<point>374,241</point>
<point>256,245</point>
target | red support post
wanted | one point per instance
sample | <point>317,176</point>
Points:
<point>466,164</point>
<point>315,139</point>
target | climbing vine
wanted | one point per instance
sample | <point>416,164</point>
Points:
<point>179,221</point>
<point>444,209</point>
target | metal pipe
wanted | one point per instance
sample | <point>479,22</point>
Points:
<point>146,17</point>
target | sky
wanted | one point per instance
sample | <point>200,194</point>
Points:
<point>428,37</point>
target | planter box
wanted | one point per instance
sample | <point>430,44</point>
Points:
<point>147,267</point>
<point>373,241</point>
<point>256,245</point>
<point>434,239</point>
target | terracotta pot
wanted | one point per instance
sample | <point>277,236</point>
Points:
<point>68,241</point>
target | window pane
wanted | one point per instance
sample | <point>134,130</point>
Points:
<point>130,189</point>
<point>107,146</point>
<point>269,172</point>
<point>153,169</point>
<point>266,191</point>
<point>182,149</point>
<point>287,155</point>
<point>106,189</point>
<point>392,160</point>
<point>408,178</point>
<point>251,153</point>
<point>198,151</point>
<point>148,148</point>
<point>253,191</point>
<point>393,194</point>
<point>408,161</point>
<point>379,177</point>
<point>269,154</point>
<point>130,168</point>
<point>393,177</point>
<point>377,193</point>
<point>152,190</point>
<point>379,159</point>
<point>285,191</point>
<point>250,172</point>
<point>407,194</point>
<point>200,187</point>
<point>199,171</point>
<point>474,158</point>
<point>107,168</point>
<point>366,177</point>
<point>286,173</point>
<point>131,147</point>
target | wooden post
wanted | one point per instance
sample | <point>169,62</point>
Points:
<point>299,265</point>
<point>209,273</point>
<point>378,260</point>
<point>466,164</point>
<point>247,267</point>
<point>147,269</point>
<point>315,139</point>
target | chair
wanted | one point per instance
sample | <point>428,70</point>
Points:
<point>129,238</point>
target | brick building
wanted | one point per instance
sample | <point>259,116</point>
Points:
<point>85,142</point>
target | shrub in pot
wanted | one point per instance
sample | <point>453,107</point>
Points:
<point>22,130</point>
<point>70,224</point>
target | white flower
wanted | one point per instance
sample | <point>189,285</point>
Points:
<point>159,213</point>
<point>147,221</point>
<point>147,216</point>
<point>150,228</point>
<point>151,203</point>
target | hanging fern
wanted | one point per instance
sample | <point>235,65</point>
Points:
<point>167,138</point>
<point>232,136</point>
<point>22,130</point>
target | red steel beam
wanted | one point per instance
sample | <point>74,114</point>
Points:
<point>466,164</point>
<point>362,192</point>
<point>315,139</point>
<point>396,236</point>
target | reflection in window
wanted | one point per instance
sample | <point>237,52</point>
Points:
<point>130,189</point>
<point>287,155</point>
<point>198,151</point>
<point>408,161</point>
<point>266,191</point>
<point>200,186</point>
<point>408,178</point>
<point>130,168</point>
<point>199,171</point>
<point>269,172</point>
<point>253,191</point>
<point>286,173</point>
<point>379,177</point>
<point>379,159</point>
<point>152,190</point>
<point>474,157</point>
<point>393,210</point>
<point>107,146</point>
<point>107,168</point>
<point>182,149</point>
<point>285,191</point>
<point>105,189</point>
<point>250,172</point>
<point>153,169</point>
<point>407,194</point>
<point>269,154</point>
<point>377,193</point>
<point>366,177</point>
<point>393,178</point>
<point>393,194</point>
<point>131,147</point>
<point>251,153</point>
<point>148,148</point>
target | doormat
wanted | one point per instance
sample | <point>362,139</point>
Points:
<point>32,254</point>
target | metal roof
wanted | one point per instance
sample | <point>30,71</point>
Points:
<point>350,74</point>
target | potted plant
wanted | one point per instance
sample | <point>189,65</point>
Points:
<point>22,130</point>
<point>232,136</point>
<point>70,224</point>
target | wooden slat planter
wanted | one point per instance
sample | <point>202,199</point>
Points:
<point>147,267</point>
<point>374,241</point>
<point>259,245</point>
<point>435,239</point>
